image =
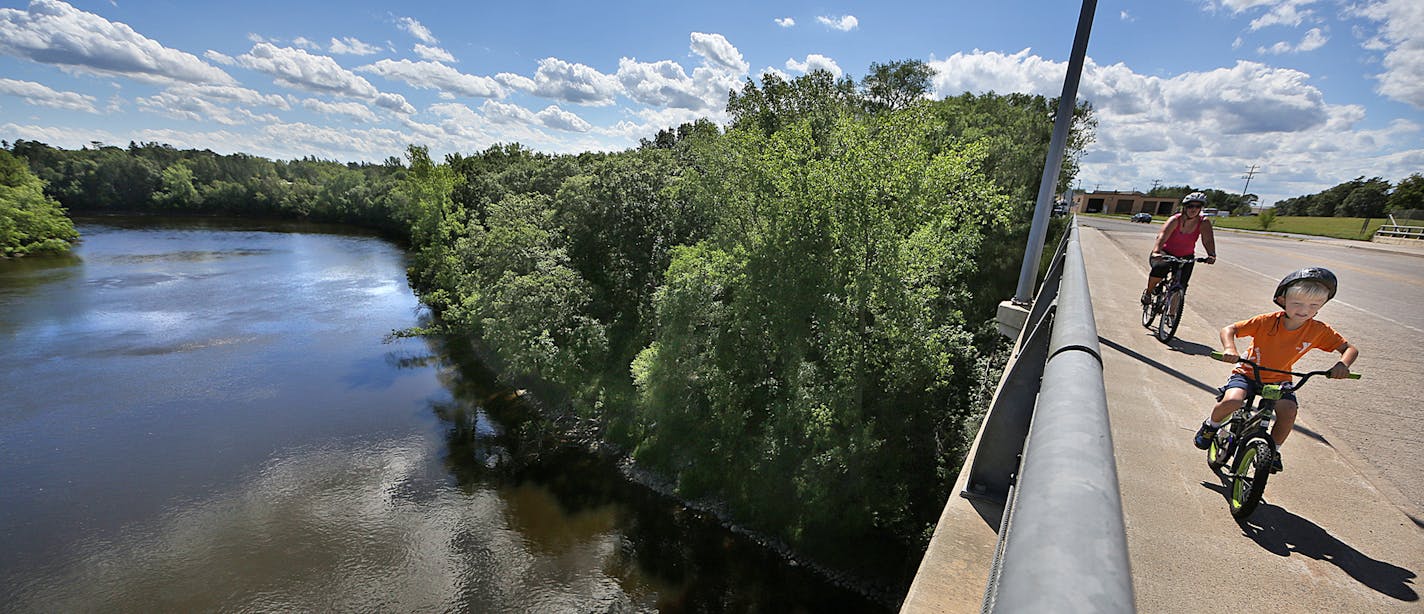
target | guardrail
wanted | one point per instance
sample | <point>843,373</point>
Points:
<point>1045,452</point>
<point>1395,231</point>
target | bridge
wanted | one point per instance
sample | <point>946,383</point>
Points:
<point>1341,529</point>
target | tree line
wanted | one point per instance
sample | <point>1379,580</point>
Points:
<point>791,314</point>
<point>1359,197</point>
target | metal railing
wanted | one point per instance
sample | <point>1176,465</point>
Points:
<point>1400,232</point>
<point>1046,454</point>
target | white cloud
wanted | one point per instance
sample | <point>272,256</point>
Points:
<point>45,96</point>
<point>662,84</point>
<point>231,93</point>
<point>815,61</point>
<point>298,69</point>
<point>200,110</point>
<point>785,22</point>
<point>354,110</point>
<point>52,32</point>
<point>305,43</point>
<point>666,83</point>
<point>434,54</point>
<point>1401,34</point>
<point>1125,16</point>
<point>1203,128</point>
<point>844,23</point>
<point>352,46</point>
<point>567,81</point>
<point>551,117</point>
<point>416,29</point>
<point>1313,39</point>
<point>559,119</point>
<point>1289,13</point>
<point>436,76</point>
<point>716,49</point>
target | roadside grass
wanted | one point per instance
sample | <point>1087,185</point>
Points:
<point>1357,228</point>
<point>1337,227</point>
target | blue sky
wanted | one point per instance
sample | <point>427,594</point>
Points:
<point>1310,92</point>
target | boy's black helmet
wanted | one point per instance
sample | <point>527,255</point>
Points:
<point>1319,274</point>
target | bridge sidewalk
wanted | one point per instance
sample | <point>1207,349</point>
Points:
<point>1325,539</point>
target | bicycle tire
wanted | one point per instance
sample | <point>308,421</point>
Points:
<point>1252,470</point>
<point>1171,315</point>
<point>1219,452</point>
<point>1149,312</point>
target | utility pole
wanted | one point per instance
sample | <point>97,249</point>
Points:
<point>1249,173</point>
<point>1155,183</point>
<point>1067,102</point>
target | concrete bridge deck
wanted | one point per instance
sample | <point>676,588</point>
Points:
<point>1340,530</point>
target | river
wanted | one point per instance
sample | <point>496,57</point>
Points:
<point>200,415</point>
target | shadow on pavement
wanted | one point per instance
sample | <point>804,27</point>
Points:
<point>1283,533</point>
<point>1157,365</point>
<point>1189,348</point>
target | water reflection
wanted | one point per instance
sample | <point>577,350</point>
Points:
<point>228,432</point>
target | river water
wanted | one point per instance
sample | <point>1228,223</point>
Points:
<point>199,416</point>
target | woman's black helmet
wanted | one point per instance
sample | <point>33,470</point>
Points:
<point>1319,274</point>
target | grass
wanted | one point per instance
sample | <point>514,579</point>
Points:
<point>1337,227</point>
<point>1357,228</point>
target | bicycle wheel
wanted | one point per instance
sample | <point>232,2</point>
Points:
<point>1219,453</point>
<point>1171,315</point>
<point>1149,312</point>
<point>1252,469</point>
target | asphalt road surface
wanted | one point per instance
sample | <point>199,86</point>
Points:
<point>1379,308</point>
<point>1340,530</point>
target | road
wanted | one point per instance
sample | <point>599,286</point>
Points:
<point>1342,528</point>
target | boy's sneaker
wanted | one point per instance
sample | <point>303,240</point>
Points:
<point>1276,466</point>
<point>1204,436</point>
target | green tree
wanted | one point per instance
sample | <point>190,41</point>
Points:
<point>1408,194</point>
<point>1367,200</point>
<point>30,222</point>
<point>177,191</point>
<point>895,85</point>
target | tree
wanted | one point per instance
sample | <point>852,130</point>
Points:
<point>1367,200</point>
<point>1408,194</point>
<point>30,222</point>
<point>895,85</point>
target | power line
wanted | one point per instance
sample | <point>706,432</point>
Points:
<point>1249,173</point>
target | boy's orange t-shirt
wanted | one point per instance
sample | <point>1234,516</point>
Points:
<point>1274,347</point>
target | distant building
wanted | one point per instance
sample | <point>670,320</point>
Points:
<point>1123,203</point>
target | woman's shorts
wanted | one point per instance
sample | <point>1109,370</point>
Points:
<point>1160,269</point>
<point>1238,380</point>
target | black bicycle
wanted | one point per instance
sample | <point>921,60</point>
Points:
<point>1244,440</point>
<point>1168,300</point>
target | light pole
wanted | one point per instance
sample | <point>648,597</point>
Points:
<point>1038,230</point>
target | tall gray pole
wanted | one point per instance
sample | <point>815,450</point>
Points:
<point>1038,232</point>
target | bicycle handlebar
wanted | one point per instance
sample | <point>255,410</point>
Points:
<point>1218,355</point>
<point>1170,258</point>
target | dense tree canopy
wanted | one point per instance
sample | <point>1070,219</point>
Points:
<point>790,315</point>
<point>1358,197</point>
<point>30,222</point>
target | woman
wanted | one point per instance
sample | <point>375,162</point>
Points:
<point>1178,237</point>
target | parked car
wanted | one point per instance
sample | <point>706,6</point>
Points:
<point>1142,217</point>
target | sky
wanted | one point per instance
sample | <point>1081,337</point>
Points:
<point>1297,95</point>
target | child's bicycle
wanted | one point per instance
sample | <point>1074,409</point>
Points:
<point>1244,440</point>
<point>1169,300</point>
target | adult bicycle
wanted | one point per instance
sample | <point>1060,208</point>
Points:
<point>1242,451</point>
<point>1168,299</point>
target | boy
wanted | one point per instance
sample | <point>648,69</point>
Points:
<point>1278,340</point>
